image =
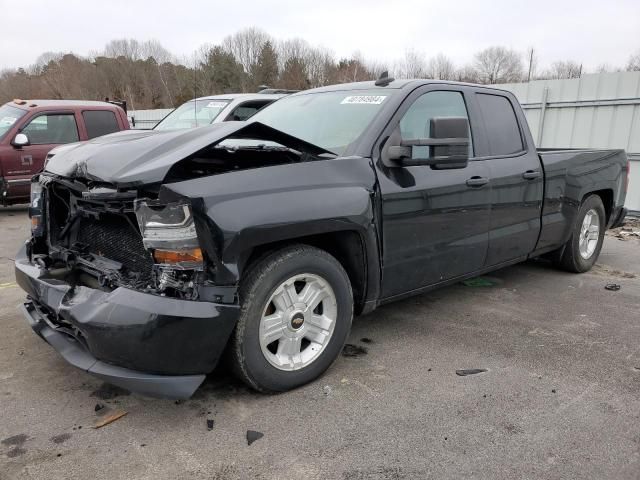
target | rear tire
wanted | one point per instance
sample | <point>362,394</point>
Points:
<point>296,307</point>
<point>583,247</point>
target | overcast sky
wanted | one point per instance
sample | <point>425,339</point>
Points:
<point>591,32</point>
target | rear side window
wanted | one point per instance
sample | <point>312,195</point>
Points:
<point>100,122</point>
<point>501,124</point>
<point>247,110</point>
<point>52,129</point>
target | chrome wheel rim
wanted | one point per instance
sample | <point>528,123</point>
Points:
<point>298,322</point>
<point>589,234</point>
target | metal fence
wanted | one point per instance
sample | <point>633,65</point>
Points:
<point>146,119</point>
<point>594,111</point>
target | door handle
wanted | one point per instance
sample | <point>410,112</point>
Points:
<point>477,181</point>
<point>531,174</point>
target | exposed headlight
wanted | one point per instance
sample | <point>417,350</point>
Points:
<point>169,232</point>
<point>35,209</point>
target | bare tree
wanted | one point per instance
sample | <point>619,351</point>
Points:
<point>634,62</point>
<point>564,69</point>
<point>246,46</point>
<point>498,65</point>
<point>441,67</point>
<point>412,65</point>
<point>467,74</point>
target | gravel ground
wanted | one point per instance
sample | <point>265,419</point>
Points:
<point>560,397</point>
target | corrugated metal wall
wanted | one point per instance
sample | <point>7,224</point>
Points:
<point>594,111</point>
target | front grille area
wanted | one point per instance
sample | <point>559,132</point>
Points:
<point>116,238</point>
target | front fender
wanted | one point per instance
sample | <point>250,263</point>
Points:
<point>249,208</point>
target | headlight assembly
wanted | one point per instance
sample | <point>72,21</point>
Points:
<point>35,209</point>
<point>169,232</point>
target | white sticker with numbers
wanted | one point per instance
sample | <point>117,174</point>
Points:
<point>216,104</point>
<point>7,121</point>
<point>364,99</point>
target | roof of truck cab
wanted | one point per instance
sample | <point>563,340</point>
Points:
<point>243,96</point>
<point>43,103</point>
<point>393,85</point>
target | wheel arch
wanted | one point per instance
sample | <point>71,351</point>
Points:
<point>349,247</point>
<point>606,195</point>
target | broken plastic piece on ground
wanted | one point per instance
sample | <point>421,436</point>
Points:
<point>480,282</point>
<point>252,436</point>
<point>470,371</point>
<point>112,417</point>
<point>366,340</point>
<point>98,407</point>
<point>614,287</point>
<point>350,350</point>
<point>209,424</point>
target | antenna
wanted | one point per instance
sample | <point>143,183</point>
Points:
<point>384,79</point>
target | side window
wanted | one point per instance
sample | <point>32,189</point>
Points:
<point>54,128</point>
<point>247,110</point>
<point>503,132</point>
<point>100,122</point>
<point>416,122</point>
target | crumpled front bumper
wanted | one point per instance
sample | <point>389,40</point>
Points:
<point>153,345</point>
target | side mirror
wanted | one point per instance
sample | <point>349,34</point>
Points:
<point>20,140</point>
<point>448,146</point>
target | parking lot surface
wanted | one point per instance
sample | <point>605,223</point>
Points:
<point>560,397</point>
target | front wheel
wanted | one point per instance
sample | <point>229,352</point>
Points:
<point>295,315</point>
<point>583,247</point>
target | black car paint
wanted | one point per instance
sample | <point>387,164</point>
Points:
<point>418,228</point>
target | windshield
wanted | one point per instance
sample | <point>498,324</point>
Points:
<point>8,116</point>
<point>195,113</point>
<point>331,120</point>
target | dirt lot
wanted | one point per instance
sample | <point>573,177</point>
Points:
<point>560,399</point>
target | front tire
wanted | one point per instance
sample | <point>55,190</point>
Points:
<point>583,247</point>
<point>295,316</point>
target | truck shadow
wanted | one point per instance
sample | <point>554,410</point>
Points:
<point>418,316</point>
<point>14,210</point>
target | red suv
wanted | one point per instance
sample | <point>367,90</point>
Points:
<point>29,129</point>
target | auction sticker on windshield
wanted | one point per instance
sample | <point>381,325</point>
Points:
<point>364,100</point>
<point>7,121</point>
<point>216,104</point>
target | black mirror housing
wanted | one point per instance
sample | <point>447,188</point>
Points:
<point>448,146</point>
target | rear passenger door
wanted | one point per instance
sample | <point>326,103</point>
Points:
<point>435,222</point>
<point>99,122</point>
<point>516,178</point>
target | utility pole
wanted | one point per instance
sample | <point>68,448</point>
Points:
<point>531,53</point>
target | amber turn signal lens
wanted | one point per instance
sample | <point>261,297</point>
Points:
<point>35,222</point>
<point>177,256</point>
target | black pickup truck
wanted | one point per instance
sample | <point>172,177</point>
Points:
<point>153,253</point>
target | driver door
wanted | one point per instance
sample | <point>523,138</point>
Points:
<point>435,223</point>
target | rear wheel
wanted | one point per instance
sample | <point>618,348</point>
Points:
<point>583,247</point>
<point>296,311</point>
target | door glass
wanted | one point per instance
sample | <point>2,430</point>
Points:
<point>416,122</point>
<point>99,122</point>
<point>47,129</point>
<point>501,124</point>
<point>246,110</point>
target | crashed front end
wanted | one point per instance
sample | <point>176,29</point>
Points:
<point>118,283</point>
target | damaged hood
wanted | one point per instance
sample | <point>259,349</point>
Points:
<point>134,157</point>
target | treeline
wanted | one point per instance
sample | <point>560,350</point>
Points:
<point>147,75</point>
